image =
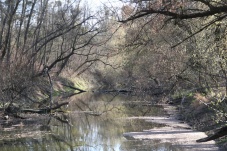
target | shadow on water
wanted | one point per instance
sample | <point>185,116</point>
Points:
<point>92,122</point>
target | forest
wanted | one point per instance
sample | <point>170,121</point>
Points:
<point>172,49</point>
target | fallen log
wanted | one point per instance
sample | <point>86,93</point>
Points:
<point>221,132</point>
<point>44,110</point>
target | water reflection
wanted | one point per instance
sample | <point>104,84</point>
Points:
<point>93,122</point>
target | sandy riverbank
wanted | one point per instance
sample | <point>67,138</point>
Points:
<point>175,132</point>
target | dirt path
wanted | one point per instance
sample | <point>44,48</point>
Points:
<point>175,132</point>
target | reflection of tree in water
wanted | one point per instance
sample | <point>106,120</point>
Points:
<point>144,145</point>
<point>95,106</point>
<point>142,109</point>
<point>81,129</point>
<point>115,104</point>
<point>137,125</point>
<point>50,132</point>
<point>95,130</point>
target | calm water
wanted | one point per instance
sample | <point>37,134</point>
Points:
<point>93,122</point>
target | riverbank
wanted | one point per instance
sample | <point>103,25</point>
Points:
<point>199,112</point>
<point>176,132</point>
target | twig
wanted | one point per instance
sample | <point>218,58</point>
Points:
<point>200,30</point>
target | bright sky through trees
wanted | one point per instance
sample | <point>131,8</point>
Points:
<point>95,4</point>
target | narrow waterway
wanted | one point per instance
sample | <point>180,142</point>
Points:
<point>91,122</point>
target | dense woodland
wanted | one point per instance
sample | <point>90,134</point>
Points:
<point>168,48</point>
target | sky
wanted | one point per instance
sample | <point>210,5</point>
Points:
<point>95,4</point>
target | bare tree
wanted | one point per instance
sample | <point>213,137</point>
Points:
<point>43,37</point>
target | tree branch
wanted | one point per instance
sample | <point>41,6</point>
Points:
<point>200,30</point>
<point>206,3</point>
<point>173,15</point>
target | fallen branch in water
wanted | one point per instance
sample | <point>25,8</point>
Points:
<point>44,110</point>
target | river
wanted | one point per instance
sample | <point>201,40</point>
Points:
<point>91,122</point>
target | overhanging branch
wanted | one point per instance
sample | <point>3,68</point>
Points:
<point>175,15</point>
